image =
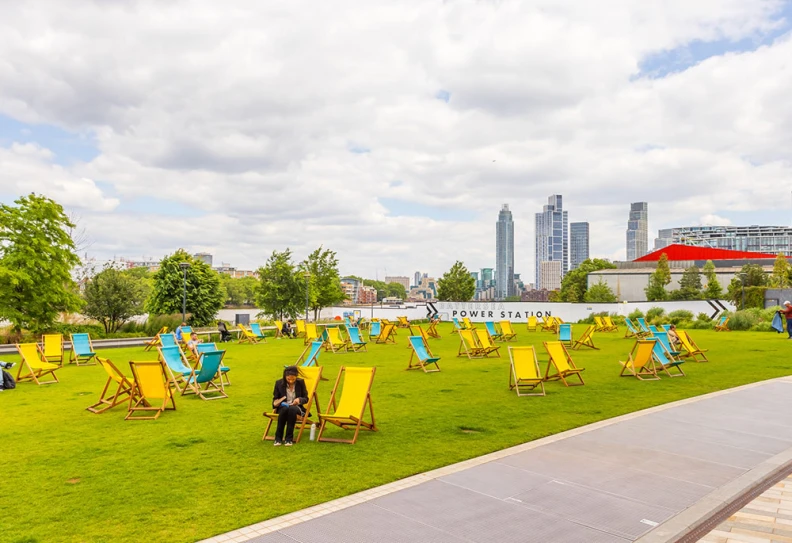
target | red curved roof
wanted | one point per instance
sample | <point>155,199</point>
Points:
<point>694,252</point>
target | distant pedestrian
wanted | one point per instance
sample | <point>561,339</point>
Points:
<point>225,335</point>
<point>786,311</point>
<point>179,332</point>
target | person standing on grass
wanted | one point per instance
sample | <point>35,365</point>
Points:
<point>786,311</point>
<point>179,332</point>
<point>288,397</point>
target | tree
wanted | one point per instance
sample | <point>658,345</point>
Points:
<point>689,285</point>
<point>575,282</point>
<point>36,258</point>
<point>713,290</point>
<point>753,279</point>
<point>380,286</point>
<point>456,285</point>
<point>600,292</point>
<point>204,293</point>
<point>324,281</point>
<point>239,291</point>
<point>114,296</point>
<point>781,270</point>
<point>656,289</point>
<point>280,292</point>
<point>396,290</point>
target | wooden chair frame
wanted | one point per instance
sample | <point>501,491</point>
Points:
<point>507,331</point>
<point>723,324</point>
<point>35,369</point>
<point>246,336</point>
<point>563,368</point>
<point>493,332</point>
<point>260,334</point>
<point>665,359</point>
<point>360,346</point>
<point>532,323</point>
<point>155,341</point>
<point>52,358</point>
<point>611,326</point>
<point>387,334</point>
<point>640,362</point>
<point>402,322</point>
<point>586,339</point>
<point>485,342</point>
<point>467,325</point>
<point>432,332</point>
<point>421,363</point>
<point>303,361</point>
<point>311,333</point>
<point>342,345</point>
<point>81,357</point>
<point>192,386</point>
<point>423,334</point>
<point>138,401</point>
<point>691,350</point>
<point>517,383</point>
<point>225,380</point>
<point>347,423</point>
<point>469,347</point>
<point>123,391</point>
<point>313,403</point>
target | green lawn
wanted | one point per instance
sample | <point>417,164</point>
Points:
<point>71,475</point>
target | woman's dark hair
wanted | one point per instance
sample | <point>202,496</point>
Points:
<point>290,370</point>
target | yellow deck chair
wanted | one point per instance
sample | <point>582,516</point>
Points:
<point>551,324</point>
<point>334,341</point>
<point>691,350</point>
<point>468,345</point>
<point>387,334</point>
<point>417,330</point>
<point>300,324</point>
<point>586,339</point>
<point>245,335</point>
<point>122,392</point>
<point>507,332</point>
<point>524,374</point>
<point>485,342</point>
<point>600,324</point>
<point>151,391</point>
<point>52,346</point>
<point>311,333</point>
<point>563,364</point>
<point>640,362</point>
<point>432,331</point>
<point>278,329</point>
<point>34,365</point>
<point>355,397</point>
<point>155,341</point>
<point>467,324</point>
<point>403,322</point>
<point>532,323</point>
<point>311,375</point>
<point>611,327</point>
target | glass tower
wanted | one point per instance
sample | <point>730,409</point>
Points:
<point>578,243</point>
<point>638,230</point>
<point>552,237</point>
<point>504,254</point>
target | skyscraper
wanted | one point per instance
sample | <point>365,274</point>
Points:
<point>578,243</point>
<point>552,237</point>
<point>417,279</point>
<point>638,230</point>
<point>504,254</point>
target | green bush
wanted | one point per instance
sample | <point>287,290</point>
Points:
<point>675,317</point>
<point>762,327</point>
<point>618,320</point>
<point>699,324</point>
<point>744,320</point>
<point>590,318</point>
<point>635,314</point>
<point>654,314</point>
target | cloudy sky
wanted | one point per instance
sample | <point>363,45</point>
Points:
<point>392,132</point>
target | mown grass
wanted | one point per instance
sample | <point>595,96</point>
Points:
<point>70,475</point>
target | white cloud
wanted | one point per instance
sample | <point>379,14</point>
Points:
<point>247,113</point>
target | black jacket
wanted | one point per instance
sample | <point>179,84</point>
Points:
<point>280,391</point>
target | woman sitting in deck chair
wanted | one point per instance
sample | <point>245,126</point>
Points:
<point>288,397</point>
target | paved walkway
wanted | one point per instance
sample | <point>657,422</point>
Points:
<point>643,477</point>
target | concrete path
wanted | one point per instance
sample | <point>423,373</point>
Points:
<point>647,477</point>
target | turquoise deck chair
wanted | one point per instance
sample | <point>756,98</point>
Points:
<point>81,350</point>
<point>642,324</point>
<point>177,364</point>
<point>653,328</point>
<point>423,358</point>
<point>494,334</point>
<point>457,326</point>
<point>256,329</point>
<point>356,340</point>
<point>632,331</point>
<point>310,355</point>
<point>663,357</point>
<point>374,330</point>
<point>208,347</point>
<point>168,340</point>
<point>209,372</point>
<point>662,337</point>
<point>348,323</point>
<point>666,327</point>
<point>187,330</point>
<point>565,333</point>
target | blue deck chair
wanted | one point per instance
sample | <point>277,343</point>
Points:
<point>666,360</point>
<point>667,327</point>
<point>565,334</point>
<point>168,340</point>
<point>662,337</point>
<point>178,367</point>
<point>653,328</point>
<point>348,323</point>
<point>457,326</point>
<point>207,347</point>
<point>310,355</point>
<point>632,331</point>
<point>356,342</point>
<point>187,330</point>
<point>210,369</point>
<point>423,359</point>
<point>374,330</point>
<point>493,332</point>
<point>642,324</point>
<point>257,331</point>
<point>82,350</point>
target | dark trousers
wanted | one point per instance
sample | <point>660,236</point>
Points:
<point>286,419</point>
<point>789,327</point>
<point>225,335</point>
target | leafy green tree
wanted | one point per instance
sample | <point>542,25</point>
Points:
<point>114,296</point>
<point>281,293</point>
<point>324,280</point>
<point>689,285</point>
<point>575,283</point>
<point>753,278</point>
<point>456,285</point>
<point>781,270</point>
<point>397,290</point>
<point>239,291</point>
<point>600,292</point>
<point>656,289</point>
<point>713,290</point>
<point>382,288</point>
<point>37,255</point>
<point>205,295</point>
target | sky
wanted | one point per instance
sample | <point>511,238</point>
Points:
<point>392,133</point>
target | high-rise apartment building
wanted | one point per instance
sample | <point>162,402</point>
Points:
<point>638,230</point>
<point>552,237</point>
<point>417,279</point>
<point>206,258</point>
<point>400,279</point>
<point>504,254</point>
<point>578,243</point>
<point>757,239</point>
<point>486,278</point>
<point>551,275</point>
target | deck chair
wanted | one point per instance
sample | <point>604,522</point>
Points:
<point>457,326</point>
<point>151,391</point>
<point>167,340</point>
<point>387,334</point>
<point>642,326</point>
<point>611,327</point>
<point>600,324</point>
<point>532,323</point>
<point>666,327</point>
<point>524,374</point>
<point>122,392</point>
<point>245,335</point>
<point>403,322</point>
<point>278,329</point>
<point>422,357</point>
<point>565,334</point>
<point>640,362</point>
<point>432,331</point>
<point>334,342</point>
<point>550,324</point>
<point>186,330</point>
<point>485,342</point>
<point>663,338</point>
<point>310,355</point>
<point>348,322</point>
<point>467,324</point>
<point>633,331</point>
<point>653,329</point>
<point>586,340</point>
<point>300,325</point>
<point>311,333</point>
<point>355,397</point>
<point>665,361</point>
<point>255,328</point>
<point>374,330</point>
<point>155,341</point>
<point>311,376</point>
<point>34,365</point>
<point>356,343</point>
<point>468,345</point>
<point>417,330</point>
<point>82,350</point>
<point>492,331</point>
<point>723,324</point>
<point>176,365</point>
<point>207,347</point>
<point>691,350</point>
<point>52,348</point>
<point>507,332</point>
<point>206,376</point>
<point>562,363</point>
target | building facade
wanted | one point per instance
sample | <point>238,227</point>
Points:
<point>367,295</point>
<point>417,279</point>
<point>638,230</point>
<point>552,237</point>
<point>551,275</point>
<point>351,288</point>
<point>206,258</point>
<point>758,239</point>
<point>504,254</point>
<point>400,279</point>
<point>578,243</point>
